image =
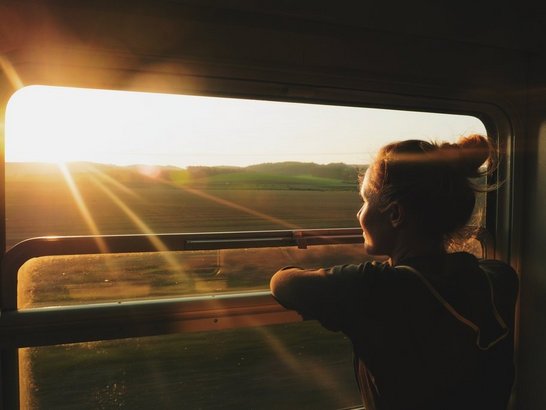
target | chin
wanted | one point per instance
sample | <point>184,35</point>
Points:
<point>373,251</point>
<point>370,250</point>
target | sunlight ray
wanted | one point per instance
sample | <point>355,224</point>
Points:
<point>231,204</point>
<point>319,374</point>
<point>135,219</point>
<point>241,208</point>
<point>141,225</point>
<point>11,74</point>
<point>107,178</point>
<point>84,210</point>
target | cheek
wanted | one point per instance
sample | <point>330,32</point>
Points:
<point>371,228</point>
<point>361,216</point>
<point>365,225</point>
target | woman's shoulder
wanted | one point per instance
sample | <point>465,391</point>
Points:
<point>502,277</point>
<point>498,268</point>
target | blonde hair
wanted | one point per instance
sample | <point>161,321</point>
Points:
<point>434,181</point>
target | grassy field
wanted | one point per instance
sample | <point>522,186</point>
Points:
<point>43,204</point>
<point>258,180</point>
<point>293,366</point>
<point>278,367</point>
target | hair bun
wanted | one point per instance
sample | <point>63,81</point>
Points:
<point>472,152</point>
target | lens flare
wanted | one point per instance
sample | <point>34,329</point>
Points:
<point>84,210</point>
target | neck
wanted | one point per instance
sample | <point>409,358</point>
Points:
<point>414,247</point>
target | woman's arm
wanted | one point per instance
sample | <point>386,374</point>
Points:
<point>299,289</point>
<point>331,295</point>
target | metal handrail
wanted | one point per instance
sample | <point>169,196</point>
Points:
<point>16,256</point>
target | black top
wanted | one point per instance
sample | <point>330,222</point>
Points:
<point>436,333</point>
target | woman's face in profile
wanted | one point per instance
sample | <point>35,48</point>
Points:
<point>376,227</point>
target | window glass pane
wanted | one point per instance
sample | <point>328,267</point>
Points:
<point>274,367</point>
<point>104,162</point>
<point>74,279</point>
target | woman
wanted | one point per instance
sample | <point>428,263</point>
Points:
<point>430,329</point>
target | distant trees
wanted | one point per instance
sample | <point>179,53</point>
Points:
<point>196,172</point>
<point>338,170</point>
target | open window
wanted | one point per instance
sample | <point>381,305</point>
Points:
<point>143,229</point>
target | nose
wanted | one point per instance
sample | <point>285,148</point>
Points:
<point>359,212</point>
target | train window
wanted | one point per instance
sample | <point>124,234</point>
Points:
<point>250,185</point>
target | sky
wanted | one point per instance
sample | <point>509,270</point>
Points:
<point>57,124</point>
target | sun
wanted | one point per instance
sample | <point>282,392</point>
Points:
<point>30,129</point>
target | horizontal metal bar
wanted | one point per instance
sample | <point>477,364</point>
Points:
<point>79,245</point>
<point>71,324</point>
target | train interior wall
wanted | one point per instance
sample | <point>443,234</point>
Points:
<point>531,352</point>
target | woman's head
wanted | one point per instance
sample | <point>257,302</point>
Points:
<point>430,181</point>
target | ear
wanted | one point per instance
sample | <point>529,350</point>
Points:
<point>396,214</point>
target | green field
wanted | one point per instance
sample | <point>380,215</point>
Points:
<point>123,201</point>
<point>258,180</point>
<point>293,366</point>
<point>279,367</point>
